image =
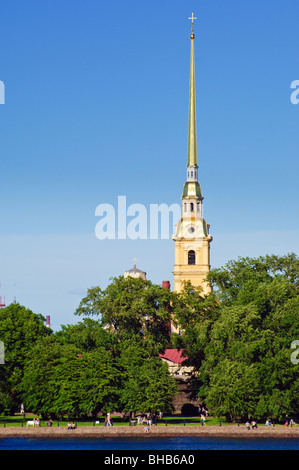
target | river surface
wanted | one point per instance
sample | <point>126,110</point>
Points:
<point>150,443</point>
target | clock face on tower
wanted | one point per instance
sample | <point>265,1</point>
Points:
<point>191,229</point>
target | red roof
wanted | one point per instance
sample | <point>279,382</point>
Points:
<point>173,355</point>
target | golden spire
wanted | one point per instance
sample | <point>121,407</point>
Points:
<point>192,147</point>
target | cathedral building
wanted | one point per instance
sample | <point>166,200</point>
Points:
<point>192,247</point>
<point>192,239</point>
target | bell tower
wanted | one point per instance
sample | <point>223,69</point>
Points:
<point>192,238</point>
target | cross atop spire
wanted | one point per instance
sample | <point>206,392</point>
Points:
<point>192,18</point>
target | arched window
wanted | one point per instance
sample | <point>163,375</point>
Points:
<point>191,207</point>
<point>191,257</point>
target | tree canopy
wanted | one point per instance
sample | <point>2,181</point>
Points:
<point>130,306</point>
<point>85,370</point>
<point>238,338</point>
<point>20,328</point>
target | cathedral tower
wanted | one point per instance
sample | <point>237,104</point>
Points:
<point>192,238</point>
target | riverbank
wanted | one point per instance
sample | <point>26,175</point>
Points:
<point>155,431</point>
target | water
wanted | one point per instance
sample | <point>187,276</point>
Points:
<point>150,443</point>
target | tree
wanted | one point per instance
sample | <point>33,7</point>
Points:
<point>233,389</point>
<point>132,306</point>
<point>238,279</point>
<point>195,315</point>
<point>61,379</point>
<point>86,335</point>
<point>84,370</point>
<point>40,385</point>
<point>20,328</point>
<point>147,385</point>
<point>240,346</point>
<point>101,382</point>
<point>6,401</point>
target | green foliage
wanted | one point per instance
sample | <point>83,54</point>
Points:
<point>147,387</point>
<point>84,369</point>
<point>132,307</point>
<point>62,379</point>
<point>195,315</point>
<point>238,338</point>
<point>87,335</point>
<point>101,382</point>
<point>20,328</point>
<point>39,385</point>
<point>233,389</point>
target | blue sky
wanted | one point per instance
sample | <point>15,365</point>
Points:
<point>96,106</point>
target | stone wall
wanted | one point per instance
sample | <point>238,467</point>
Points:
<point>182,397</point>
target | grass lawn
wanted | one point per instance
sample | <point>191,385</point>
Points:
<point>173,420</point>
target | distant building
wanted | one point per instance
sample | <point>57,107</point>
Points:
<point>135,272</point>
<point>181,373</point>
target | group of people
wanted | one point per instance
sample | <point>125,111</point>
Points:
<point>149,419</point>
<point>289,421</point>
<point>71,426</point>
<point>253,424</point>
